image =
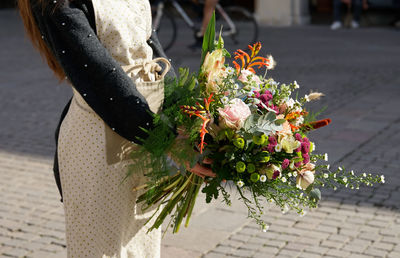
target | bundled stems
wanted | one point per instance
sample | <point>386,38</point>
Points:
<point>183,190</point>
<point>197,184</point>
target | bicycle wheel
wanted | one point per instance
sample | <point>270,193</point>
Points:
<point>245,27</point>
<point>166,30</point>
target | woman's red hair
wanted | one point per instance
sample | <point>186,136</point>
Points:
<point>32,30</point>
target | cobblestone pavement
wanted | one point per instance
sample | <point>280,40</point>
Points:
<point>358,72</point>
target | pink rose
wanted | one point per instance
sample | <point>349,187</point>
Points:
<point>234,114</point>
<point>245,74</point>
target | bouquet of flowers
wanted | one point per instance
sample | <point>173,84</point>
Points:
<point>250,126</point>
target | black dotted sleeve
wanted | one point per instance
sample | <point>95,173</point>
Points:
<point>93,72</point>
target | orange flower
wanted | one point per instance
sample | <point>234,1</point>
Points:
<point>250,61</point>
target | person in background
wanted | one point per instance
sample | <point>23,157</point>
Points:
<point>396,4</point>
<point>208,9</point>
<point>357,7</point>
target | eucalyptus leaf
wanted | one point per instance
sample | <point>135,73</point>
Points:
<point>315,194</point>
<point>279,121</point>
<point>271,116</point>
<point>251,122</point>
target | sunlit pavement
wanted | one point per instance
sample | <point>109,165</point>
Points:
<point>356,69</point>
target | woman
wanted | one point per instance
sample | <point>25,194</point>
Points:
<point>91,44</point>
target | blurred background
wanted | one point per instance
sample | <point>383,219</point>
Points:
<point>356,67</point>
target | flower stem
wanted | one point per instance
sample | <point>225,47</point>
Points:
<point>198,182</point>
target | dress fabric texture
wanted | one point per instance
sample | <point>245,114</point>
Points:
<point>102,218</point>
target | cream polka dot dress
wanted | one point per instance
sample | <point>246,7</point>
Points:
<point>102,218</point>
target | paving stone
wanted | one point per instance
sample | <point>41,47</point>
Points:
<point>370,229</point>
<point>166,251</point>
<point>232,243</point>
<point>338,224</point>
<point>309,255</point>
<point>389,232</point>
<point>209,239</point>
<point>354,248</point>
<point>224,249</point>
<point>243,252</point>
<point>317,250</point>
<point>393,255</point>
<point>309,241</point>
<point>378,223</point>
<point>317,235</point>
<point>275,243</point>
<point>268,235</point>
<point>267,250</point>
<point>284,237</point>
<point>14,252</point>
<point>262,255</point>
<point>257,240</point>
<point>339,238</point>
<point>338,253</point>
<point>391,240</point>
<point>369,236</point>
<point>332,244</point>
<point>349,233</point>
<point>251,246</point>
<point>240,238</point>
<point>327,229</point>
<point>53,248</point>
<point>376,252</point>
<point>355,255</point>
<point>41,254</point>
<point>249,231</point>
<point>289,253</point>
<point>305,225</point>
<point>383,246</point>
<point>285,223</point>
<point>215,255</point>
<point>295,247</point>
<point>32,246</point>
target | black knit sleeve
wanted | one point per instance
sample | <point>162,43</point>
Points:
<point>93,72</point>
<point>158,51</point>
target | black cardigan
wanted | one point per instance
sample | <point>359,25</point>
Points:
<point>69,30</point>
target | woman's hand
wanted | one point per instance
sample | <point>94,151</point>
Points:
<point>200,170</point>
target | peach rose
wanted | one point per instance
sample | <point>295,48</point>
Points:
<point>286,126</point>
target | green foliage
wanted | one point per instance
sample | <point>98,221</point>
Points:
<point>315,194</point>
<point>211,189</point>
<point>312,116</point>
<point>151,156</point>
<point>208,40</point>
<point>265,124</point>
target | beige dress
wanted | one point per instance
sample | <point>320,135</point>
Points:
<point>102,218</point>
